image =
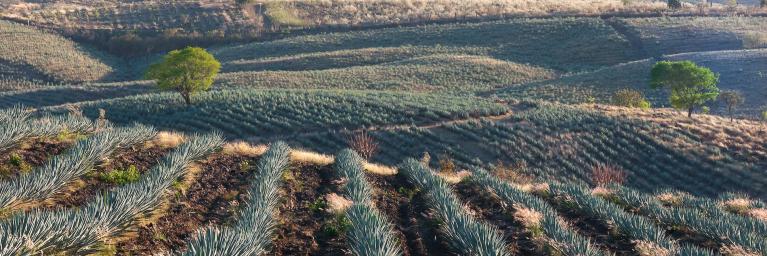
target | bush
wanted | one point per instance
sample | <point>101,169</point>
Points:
<point>121,177</point>
<point>364,145</point>
<point>602,175</point>
<point>630,98</point>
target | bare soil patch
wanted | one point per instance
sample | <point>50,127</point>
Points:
<point>32,154</point>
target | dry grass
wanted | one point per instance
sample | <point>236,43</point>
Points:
<point>737,205</point>
<point>337,204</point>
<point>758,213</point>
<point>379,169</point>
<point>601,192</point>
<point>735,250</point>
<point>244,149</point>
<point>454,178</point>
<point>165,140</point>
<point>303,156</point>
<point>647,248</point>
<point>670,198</point>
<point>529,218</point>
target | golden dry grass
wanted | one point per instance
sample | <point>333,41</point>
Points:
<point>165,139</point>
<point>647,248</point>
<point>454,178</point>
<point>241,148</point>
<point>735,250</point>
<point>303,156</point>
<point>337,204</point>
<point>737,205</point>
<point>758,213</point>
<point>528,217</point>
<point>601,192</point>
<point>669,198</point>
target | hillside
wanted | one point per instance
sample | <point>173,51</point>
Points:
<point>29,53</point>
<point>739,70</point>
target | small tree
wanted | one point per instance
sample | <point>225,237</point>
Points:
<point>763,3</point>
<point>186,71</point>
<point>732,99</point>
<point>630,98</point>
<point>674,4</point>
<point>691,86</point>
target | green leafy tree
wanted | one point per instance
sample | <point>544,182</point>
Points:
<point>187,71</point>
<point>691,86</point>
<point>674,4</point>
<point>630,98</point>
<point>732,99</point>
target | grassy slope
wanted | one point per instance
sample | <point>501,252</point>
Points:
<point>450,73</point>
<point>740,70</point>
<point>50,56</point>
<point>562,44</point>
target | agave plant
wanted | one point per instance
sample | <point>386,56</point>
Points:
<point>370,232</point>
<point>464,233</point>
<point>79,231</point>
<point>563,239</point>
<point>18,126</point>
<point>252,233</point>
<point>63,169</point>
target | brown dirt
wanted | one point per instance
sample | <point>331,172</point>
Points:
<point>417,229</point>
<point>212,199</point>
<point>34,153</point>
<point>143,158</point>
<point>597,230</point>
<point>494,212</point>
<point>302,230</point>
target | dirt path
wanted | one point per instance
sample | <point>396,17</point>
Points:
<point>630,35</point>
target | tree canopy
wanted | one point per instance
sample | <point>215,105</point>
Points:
<point>691,86</point>
<point>186,71</point>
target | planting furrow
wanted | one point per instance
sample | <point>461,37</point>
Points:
<point>252,232</point>
<point>212,198</point>
<point>370,232</point>
<point>84,230</point>
<point>31,153</point>
<point>60,171</point>
<point>537,216</point>
<point>464,233</point>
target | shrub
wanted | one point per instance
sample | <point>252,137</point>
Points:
<point>674,4</point>
<point>630,98</point>
<point>121,177</point>
<point>602,175</point>
<point>364,144</point>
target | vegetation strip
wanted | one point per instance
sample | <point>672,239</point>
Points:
<point>724,228</point>
<point>16,125</point>
<point>648,239</point>
<point>61,170</point>
<point>464,233</point>
<point>81,231</point>
<point>371,232</point>
<point>253,232</point>
<point>562,238</point>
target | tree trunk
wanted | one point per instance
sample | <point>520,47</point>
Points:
<point>689,112</point>
<point>729,109</point>
<point>187,98</point>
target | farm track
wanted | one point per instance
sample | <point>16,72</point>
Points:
<point>213,199</point>
<point>632,36</point>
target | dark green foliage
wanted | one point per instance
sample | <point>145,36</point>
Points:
<point>732,99</point>
<point>691,86</point>
<point>186,71</point>
<point>121,177</point>
<point>674,4</point>
<point>630,98</point>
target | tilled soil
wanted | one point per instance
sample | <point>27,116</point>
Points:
<point>34,154</point>
<point>490,209</point>
<point>143,158</point>
<point>213,199</point>
<point>303,227</point>
<point>406,208</point>
<point>597,230</point>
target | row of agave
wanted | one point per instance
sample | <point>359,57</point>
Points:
<point>704,218</point>
<point>464,234</point>
<point>16,125</point>
<point>63,169</point>
<point>252,234</point>
<point>80,231</point>
<point>370,233</point>
<point>647,237</point>
<point>561,238</point>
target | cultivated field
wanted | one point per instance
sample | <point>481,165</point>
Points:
<point>366,127</point>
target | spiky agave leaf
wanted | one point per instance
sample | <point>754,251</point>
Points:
<point>464,233</point>
<point>371,232</point>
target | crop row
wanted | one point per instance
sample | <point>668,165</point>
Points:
<point>717,225</point>
<point>370,232</point>
<point>82,230</point>
<point>17,125</point>
<point>62,170</point>
<point>563,238</point>
<point>252,234</point>
<point>463,233</point>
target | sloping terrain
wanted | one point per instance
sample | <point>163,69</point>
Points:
<point>51,57</point>
<point>739,70</point>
